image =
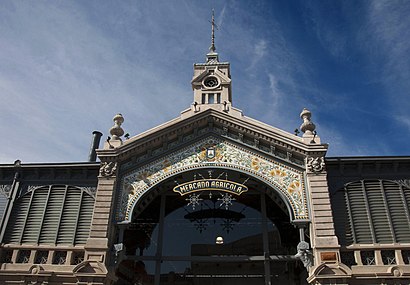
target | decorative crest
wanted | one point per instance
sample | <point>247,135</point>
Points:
<point>315,164</point>
<point>108,169</point>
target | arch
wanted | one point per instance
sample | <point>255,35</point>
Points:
<point>52,214</point>
<point>373,211</point>
<point>270,193</point>
<point>214,152</point>
<point>167,234</point>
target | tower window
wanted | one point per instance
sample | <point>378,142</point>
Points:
<point>218,98</point>
<point>211,99</point>
<point>203,98</point>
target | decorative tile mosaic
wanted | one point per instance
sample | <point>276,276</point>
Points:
<point>213,152</point>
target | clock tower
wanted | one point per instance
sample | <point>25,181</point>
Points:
<point>211,82</point>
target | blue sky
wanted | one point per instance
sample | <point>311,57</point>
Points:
<point>67,67</point>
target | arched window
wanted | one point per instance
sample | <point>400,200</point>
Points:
<point>372,211</point>
<point>55,214</point>
<point>210,238</point>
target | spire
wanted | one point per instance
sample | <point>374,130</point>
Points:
<point>212,47</point>
<point>212,56</point>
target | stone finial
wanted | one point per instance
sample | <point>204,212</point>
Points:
<point>116,131</point>
<point>307,127</point>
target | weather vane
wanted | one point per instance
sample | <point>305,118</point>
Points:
<point>212,47</point>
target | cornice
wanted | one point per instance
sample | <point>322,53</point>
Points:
<point>246,130</point>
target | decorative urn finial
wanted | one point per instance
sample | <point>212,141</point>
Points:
<point>116,131</point>
<point>307,126</point>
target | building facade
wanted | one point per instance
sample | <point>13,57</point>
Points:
<point>211,197</point>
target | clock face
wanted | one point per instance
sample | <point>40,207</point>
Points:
<point>211,82</point>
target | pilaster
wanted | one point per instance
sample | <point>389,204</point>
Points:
<point>98,246</point>
<point>327,265</point>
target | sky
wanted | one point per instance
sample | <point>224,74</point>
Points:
<point>67,67</point>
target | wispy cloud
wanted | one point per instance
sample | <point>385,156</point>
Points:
<point>67,67</point>
<point>61,78</point>
<point>259,50</point>
<point>385,38</point>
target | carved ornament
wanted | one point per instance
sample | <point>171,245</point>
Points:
<point>108,169</point>
<point>315,164</point>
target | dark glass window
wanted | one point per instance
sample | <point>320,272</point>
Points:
<point>212,238</point>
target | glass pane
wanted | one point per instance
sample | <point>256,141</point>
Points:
<point>290,272</point>
<point>205,273</point>
<point>216,225</point>
<point>136,272</point>
<point>210,98</point>
<point>283,236</point>
<point>141,237</point>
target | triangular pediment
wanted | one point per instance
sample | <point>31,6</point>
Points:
<point>189,128</point>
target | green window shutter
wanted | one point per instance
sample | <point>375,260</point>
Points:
<point>84,219</point>
<point>398,209</point>
<point>52,215</point>
<point>378,211</point>
<point>16,222</point>
<point>35,216</point>
<point>358,211</point>
<point>69,216</point>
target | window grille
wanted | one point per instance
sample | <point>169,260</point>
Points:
<point>41,257</point>
<point>406,256</point>
<point>6,256</point>
<point>348,258</point>
<point>54,214</point>
<point>388,257</point>
<point>60,257</point>
<point>23,256</point>
<point>78,257</point>
<point>368,257</point>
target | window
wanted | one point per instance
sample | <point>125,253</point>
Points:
<point>210,238</point>
<point>54,214</point>
<point>211,99</point>
<point>372,211</point>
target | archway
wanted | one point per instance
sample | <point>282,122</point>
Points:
<point>214,238</point>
